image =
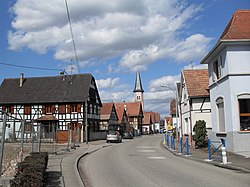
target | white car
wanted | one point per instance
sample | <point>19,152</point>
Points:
<point>114,136</point>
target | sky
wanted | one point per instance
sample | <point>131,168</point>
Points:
<point>113,39</point>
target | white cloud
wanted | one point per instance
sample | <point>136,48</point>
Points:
<point>118,96</point>
<point>107,83</point>
<point>195,66</point>
<point>139,32</point>
<point>164,83</point>
<point>193,48</point>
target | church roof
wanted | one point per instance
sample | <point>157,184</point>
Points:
<point>138,84</point>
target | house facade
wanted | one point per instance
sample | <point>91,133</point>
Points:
<point>194,100</point>
<point>157,122</point>
<point>229,84</point>
<point>135,116</point>
<point>64,104</point>
<point>108,117</point>
<point>122,117</point>
<point>147,123</point>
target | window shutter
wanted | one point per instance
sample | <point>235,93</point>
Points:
<point>78,108</point>
<point>43,109</point>
<point>53,109</point>
<point>12,109</point>
<point>68,109</point>
<point>27,109</point>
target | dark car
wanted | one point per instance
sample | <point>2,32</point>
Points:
<point>128,135</point>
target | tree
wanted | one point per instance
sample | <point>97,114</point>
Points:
<point>200,134</point>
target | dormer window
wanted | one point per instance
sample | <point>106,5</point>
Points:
<point>217,69</point>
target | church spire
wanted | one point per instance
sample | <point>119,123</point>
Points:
<point>138,85</point>
<point>138,91</point>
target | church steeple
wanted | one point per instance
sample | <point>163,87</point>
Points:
<point>138,85</point>
<point>138,90</point>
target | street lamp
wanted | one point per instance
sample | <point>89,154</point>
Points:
<point>176,104</point>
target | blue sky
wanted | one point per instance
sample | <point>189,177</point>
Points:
<point>113,40</point>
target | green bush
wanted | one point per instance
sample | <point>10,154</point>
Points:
<point>200,134</point>
<point>31,171</point>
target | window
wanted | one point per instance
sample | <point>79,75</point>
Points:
<point>244,109</point>
<point>27,109</point>
<point>8,108</point>
<point>73,107</point>
<point>220,115</point>
<point>217,69</point>
<point>62,109</point>
<point>48,109</point>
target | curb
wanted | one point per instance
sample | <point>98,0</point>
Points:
<point>83,155</point>
<point>225,166</point>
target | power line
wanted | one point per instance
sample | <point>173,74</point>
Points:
<point>31,67</point>
<point>72,36</point>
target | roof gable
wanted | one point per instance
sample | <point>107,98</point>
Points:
<point>106,108</point>
<point>196,81</point>
<point>119,107</point>
<point>147,118</point>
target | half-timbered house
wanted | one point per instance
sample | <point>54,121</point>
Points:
<point>122,117</point>
<point>147,123</point>
<point>135,116</point>
<point>109,118</point>
<point>64,103</point>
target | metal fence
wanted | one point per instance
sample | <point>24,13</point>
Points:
<point>18,138</point>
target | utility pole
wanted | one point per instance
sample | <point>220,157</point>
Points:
<point>2,141</point>
<point>86,120</point>
<point>22,140</point>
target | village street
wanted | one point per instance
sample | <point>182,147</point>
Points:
<point>143,162</point>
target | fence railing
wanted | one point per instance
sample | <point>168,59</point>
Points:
<point>215,147</point>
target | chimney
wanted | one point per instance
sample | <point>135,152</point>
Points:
<point>62,75</point>
<point>21,80</point>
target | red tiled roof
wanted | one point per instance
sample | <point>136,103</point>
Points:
<point>172,106</point>
<point>152,115</point>
<point>106,108</point>
<point>196,82</point>
<point>147,118</point>
<point>119,107</point>
<point>133,108</point>
<point>238,27</point>
<point>157,117</point>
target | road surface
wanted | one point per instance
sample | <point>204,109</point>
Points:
<point>143,162</point>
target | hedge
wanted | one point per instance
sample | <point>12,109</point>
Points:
<point>31,171</point>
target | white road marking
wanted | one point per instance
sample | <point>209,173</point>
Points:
<point>145,147</point>
<point>146,151</point>
<point>157,157</point>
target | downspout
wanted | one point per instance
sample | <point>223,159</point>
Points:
<point>191,126</point>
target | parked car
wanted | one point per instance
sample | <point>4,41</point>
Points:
<point>114,136</point>
<point>128,135</point>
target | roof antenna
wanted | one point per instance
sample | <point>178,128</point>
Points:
<point>71,71</point>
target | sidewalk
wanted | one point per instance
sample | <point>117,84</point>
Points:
<point>62,167</point>
<point>235,161</point>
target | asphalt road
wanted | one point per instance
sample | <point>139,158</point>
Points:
<point>143,162</point>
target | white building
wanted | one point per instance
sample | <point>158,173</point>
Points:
<point>194,101</point>
<point>229,84</point>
